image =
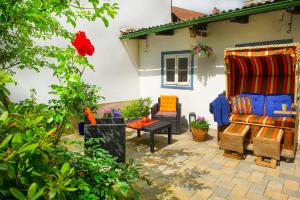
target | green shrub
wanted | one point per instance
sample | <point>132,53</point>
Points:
<point>32,166</point>
<point>5,78</point>
<point>137,108</point>
<point>98,174</point>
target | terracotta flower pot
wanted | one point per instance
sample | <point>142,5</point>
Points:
<point>199,135</point>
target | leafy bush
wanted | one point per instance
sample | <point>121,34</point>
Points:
<point>24,159</point>
<point>32,166</point>
<point>201,123</point>
<point>138,108</point>
<point>5,78</point>
<point>98,174</point>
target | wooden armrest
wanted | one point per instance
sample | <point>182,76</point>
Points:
<point>285,112</point>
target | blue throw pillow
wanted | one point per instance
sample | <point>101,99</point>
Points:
<point>258,102</point>
<point>275,101</point>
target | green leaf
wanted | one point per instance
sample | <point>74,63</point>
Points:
<point>32,190</point>
<point>38,119</point>
<point>36,173</point>
<point>3,166</point>
<point>45,157</point>
<point>11,108</point>
<point>50,120</point>
<point>38,194</point>
<point>4,116</point>
<point>26,147</point>
<point>17,141</point>
<point>52,194</point>
<point>65,168</point>
<point>71,189</point>
<point>5,141</point>
<point>11,173</point>
<point>1,180</point>
<point>105,21</point>
<point>19,195</point>
<point>121,187</point>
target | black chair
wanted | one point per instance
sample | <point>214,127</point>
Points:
<point>173,117</point>
<point>112,131</point>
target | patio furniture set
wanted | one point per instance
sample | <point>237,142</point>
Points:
<point>262,89</point>
<point>165,117</point>
<point>262,86</point>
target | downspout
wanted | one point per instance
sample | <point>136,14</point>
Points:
<point>171,9</point>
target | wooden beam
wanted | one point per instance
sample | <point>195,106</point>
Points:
<point>141,37</point>
<point>167,32</point>
<point>200,27</point>
<point>241,19</point>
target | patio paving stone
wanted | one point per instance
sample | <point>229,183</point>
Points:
<point>189,170</point>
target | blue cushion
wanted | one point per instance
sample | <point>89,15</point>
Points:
<point>258,102</point>
<point>274,102</point>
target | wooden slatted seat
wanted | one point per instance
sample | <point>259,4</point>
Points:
<point>232,138</point>
<point>267,143</point>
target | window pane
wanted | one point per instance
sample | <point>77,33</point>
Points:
<point>183,63</point>
<point>182,76</point>
<point>170,76</point>
<point>170,63</point>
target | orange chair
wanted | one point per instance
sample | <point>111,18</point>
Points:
<point>168,108</point>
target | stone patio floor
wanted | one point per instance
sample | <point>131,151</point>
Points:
<point>190,170</point>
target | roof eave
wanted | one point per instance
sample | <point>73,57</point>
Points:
<point>217,17</point>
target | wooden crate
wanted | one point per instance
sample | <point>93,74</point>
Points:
<point>232,138</point>
<point>288,139</point>
<point>271,163</point>
<point>267,142</point>
<point>254,131</point>
<point>220,130</point>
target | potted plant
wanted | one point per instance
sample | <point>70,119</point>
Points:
<point>111,113</point>
<point>200,129</point>
<point>201,50</point>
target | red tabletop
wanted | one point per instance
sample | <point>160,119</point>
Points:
<point>138,124</point>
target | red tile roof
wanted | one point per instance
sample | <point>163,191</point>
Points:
<point>184,14</point>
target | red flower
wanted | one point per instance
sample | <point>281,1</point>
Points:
<point>82,44</point>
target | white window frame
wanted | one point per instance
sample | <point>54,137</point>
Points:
<point>176,82</point>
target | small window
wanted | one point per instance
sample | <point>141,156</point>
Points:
<point>177,70</point>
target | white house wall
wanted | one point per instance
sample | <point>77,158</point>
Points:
<point>209,77</point>
<point>116,63</point>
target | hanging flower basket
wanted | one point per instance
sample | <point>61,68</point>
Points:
<point>202,50</point>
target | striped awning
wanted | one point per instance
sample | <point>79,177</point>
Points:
<point>264,69</point>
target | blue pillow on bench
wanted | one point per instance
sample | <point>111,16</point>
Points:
<point>275,101</point>
<point>258,102</point>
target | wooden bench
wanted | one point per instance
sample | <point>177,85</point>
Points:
<point>232,140</point>
<point>267,145</point>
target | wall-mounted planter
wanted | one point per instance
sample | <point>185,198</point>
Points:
<point>112,131</point>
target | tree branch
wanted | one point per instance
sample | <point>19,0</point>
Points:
<point>10,66</point>
<point>84,8</point>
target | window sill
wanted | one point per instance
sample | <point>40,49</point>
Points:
<point>178,87</point>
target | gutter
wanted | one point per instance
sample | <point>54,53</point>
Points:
<point>215,17</point>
